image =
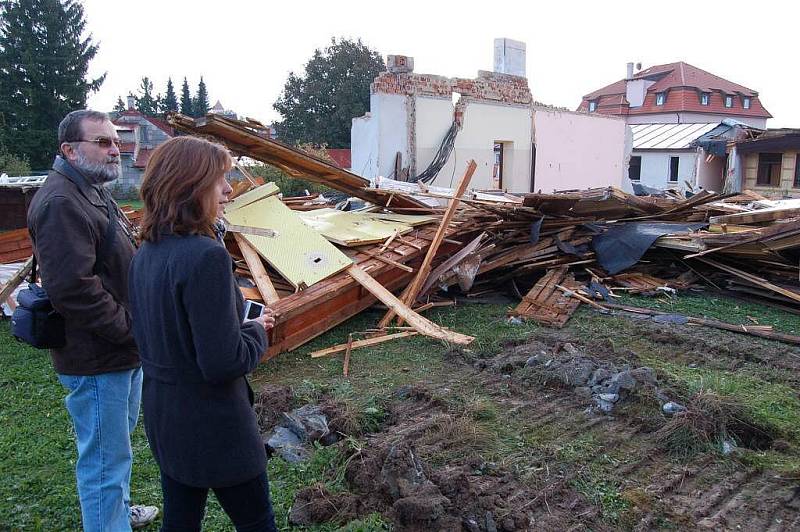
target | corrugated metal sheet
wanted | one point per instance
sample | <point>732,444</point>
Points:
<point>668,136</point>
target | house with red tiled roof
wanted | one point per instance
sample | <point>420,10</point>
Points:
<point>140,135</point>
<point>676,93</point>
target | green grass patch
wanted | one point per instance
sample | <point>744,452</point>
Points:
<point>38,453</point>
<point>603,494</point>
<point>771,405</point>
<point>133,204</point>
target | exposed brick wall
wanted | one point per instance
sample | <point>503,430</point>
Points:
<point>488,86</point>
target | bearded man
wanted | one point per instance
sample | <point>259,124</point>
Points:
<point>84,246</point>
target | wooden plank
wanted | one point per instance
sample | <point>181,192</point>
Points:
<point>258,231</point>
<point>249,139</point>
<point>361,343</point>
<point>346,367</point>
<point>450,263</point>
<point>16,279</point>
<point>753,279</point>
<point>716,324</point>
<point>760,215</point>
<point>425,269</point>
<point>420,324</point>
<point>386,260</point>
<point>253,260</point>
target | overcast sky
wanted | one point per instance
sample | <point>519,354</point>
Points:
<point>245,49</point>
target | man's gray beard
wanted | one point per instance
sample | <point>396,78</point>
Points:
<point>97,173</point>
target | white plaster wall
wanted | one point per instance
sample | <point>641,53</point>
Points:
<point>710,174</point>
<point>432,119</point>
<point>655,168</point>
<point>484,123</point>
<point>376,137</point>
<point>579,151</point>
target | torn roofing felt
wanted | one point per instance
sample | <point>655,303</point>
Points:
<point>622,245</point>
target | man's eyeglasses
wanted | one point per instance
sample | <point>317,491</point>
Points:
<point>103,142</point>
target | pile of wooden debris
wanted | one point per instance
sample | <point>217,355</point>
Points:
<point>317,266</point>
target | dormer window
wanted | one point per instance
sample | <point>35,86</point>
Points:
<point>704,98</point>
<point>728,101</point>
<point>592,106</point>
<point>746,102</point>
<point>661,97</point>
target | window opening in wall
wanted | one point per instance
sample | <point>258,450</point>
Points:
<point>704,97</point>
<point>746,102</point>
<point>661,98</point>
<point>769,169</point>
<point>497,169</point>
<point>728,101</point>
<point>673,168</point>
<point>797,171</point>
<point>592,107</point>
<point>635,168</point>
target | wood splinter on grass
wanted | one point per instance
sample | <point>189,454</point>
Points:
<point>346,367</point>
<point>349,345</point>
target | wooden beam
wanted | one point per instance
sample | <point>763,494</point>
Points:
<point>16,279</point>
<point>581,297</point>
<point>346,368</point>
<point>361,343</point>
<point>716,324</point>
<point>420,324</point>
<point>425,269</point>
<point>256,231</point>
<point>752,278</point>
<point>387,260</point>
<point>260,276</point>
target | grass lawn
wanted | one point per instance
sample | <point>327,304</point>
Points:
<point>133,204</point>
<point>37,451</point>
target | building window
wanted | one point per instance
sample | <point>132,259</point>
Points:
<point>728,101</point>
<point>704,98</point>
<point>797,171</point>
<point>661,97</point>
<point>769,169</point>
<point>746,102</point>
<point>673,169</point>
<point>592,106</point>
<point>635,168</point>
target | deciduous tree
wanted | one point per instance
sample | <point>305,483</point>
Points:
<point>318,105</point>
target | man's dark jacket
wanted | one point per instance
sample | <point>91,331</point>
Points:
<point>187,318</point>
<point>67,221</point>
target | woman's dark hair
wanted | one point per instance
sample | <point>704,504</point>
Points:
<point>178,187</point>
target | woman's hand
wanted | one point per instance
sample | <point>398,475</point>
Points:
<point>267,319</point>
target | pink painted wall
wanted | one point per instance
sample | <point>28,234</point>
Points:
<point>579,151</point>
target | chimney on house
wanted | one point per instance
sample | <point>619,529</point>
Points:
<point>399,64</point>
<point>509,57</point>
<point>629,73</point>
<point>131,102</point>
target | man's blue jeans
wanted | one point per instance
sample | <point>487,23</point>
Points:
<point>104,410</point>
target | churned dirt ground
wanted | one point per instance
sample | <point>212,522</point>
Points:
<point>556,429</point>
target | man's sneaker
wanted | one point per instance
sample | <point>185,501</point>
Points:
<point>141,516</point>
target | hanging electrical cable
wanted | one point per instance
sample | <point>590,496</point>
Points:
<point>441,157</point>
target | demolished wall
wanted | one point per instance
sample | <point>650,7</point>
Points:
<point>576,151</point>
<point>410,115</point>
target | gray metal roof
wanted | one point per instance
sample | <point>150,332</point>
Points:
<point>668,136</point>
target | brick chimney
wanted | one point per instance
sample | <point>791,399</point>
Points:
<point>131,102</point>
